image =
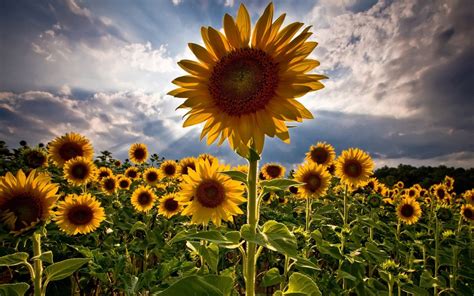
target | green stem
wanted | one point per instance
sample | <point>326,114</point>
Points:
<point>38,264</point>
<point>436,253</point>
<point>285,273</point>
<point>308,214</point>
<point>252,220</point>
<point>343,234</point>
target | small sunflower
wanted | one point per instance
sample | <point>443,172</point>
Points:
<point>293,189</point>
<point>132,173</point>
<point>321,153</point>
<point>412,192</point>
<point>372,184</point>
<point>468,195</point>
<point>138,153</point>
<point>449,182</point>
<point>381,189</point>
<point>354,167</point>
<point>316,180</point>
<point>187,163</point>
<point>151,176</point>
<point>442,193</point>
<point>424,193</point>
<point>79,171</point>
<point>399,185</point>
<point>169,169</point>
<point>417,187</point>
<point>467,212</point>
<point>273,171</point>
<point>374,200</point>
<point>409,211</point>
<point>79,214</point>
<point>35,158</point>
<point>124,183</point>
<point>143,199</point>
<point>244,86</point>
<point>104,172</point>
<point>210,195</point>
<point>117,163</point>
<point>69,146</point>
<point>209,157</point>
<point>169,205</point>
<point>109,185</point>
<point>26,201</point>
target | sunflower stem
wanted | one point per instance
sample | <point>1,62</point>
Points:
<point>308,214</point>
<point>437,226</point>
<point>38,264</point>
<point>252,220</point>
<point>285,272</point>
<point>343,234</point>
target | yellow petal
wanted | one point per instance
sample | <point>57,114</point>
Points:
<point>243,24</point>
<point>231,31</point>
<point>292,91</point>
<point>218,42</point>
<point>263,24</point>
<point>196,118</point>
<point>194,68</point>
<point>202,54</point>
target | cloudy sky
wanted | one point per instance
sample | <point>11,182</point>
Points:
<point>401,76</point>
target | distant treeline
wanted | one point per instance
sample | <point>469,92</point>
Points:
<point>427,176</point>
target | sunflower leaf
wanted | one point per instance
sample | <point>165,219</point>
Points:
<point>278,184</point>
<point>64,269</point>
<point>236,175</point>
<point>214,236</point>
<point>271,277</point>
<point>16,289</point>
<point>300,284</point>
<point>13,259</point>
<point>210,285</point>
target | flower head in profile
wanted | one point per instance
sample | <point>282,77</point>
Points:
<point>245,82</point>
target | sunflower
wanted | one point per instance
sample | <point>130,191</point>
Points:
<point>169,169</point>
<point>409,211</point>
<point>449,182</point>
<point>293,189</point>
<point>381,189</point>
<point>79,214</point>
<point>132,173</point>
<point>69,146</point>
<point>169,205</point>
<point>372,184</point>
<point>412,192</point>
<point>442,193</point>
<point>210,195</point>
<point>138,153</point>
<point>151,176</point>
<point>321,153</point>
<point>143,199</point>
<point>35,158</point>
<point>273,171</point>
<point>109,185</point>
<point>242,168</point>
<point>209,157</point>
<point>117,163</point>
<point>124,183</point>
<point>187,163</point>
<point>354,167</point>
<point>469,196</point>
<point>424,192</point>
<point>374,200</point>
<point>104,172</point>
<point>244,85</point>
<point>399,184</point>
<point>315,177</point>
<point>79,171</point>
<point>467,212</point>
<point>26,201</point>
<point>417,187</point>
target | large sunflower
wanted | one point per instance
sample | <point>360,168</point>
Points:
<point>79,214</point>
<point>273,171</point>
<point>244,85</point>
<point>321,153</point>
<point>210,195</point>
<point>26,201</point>
<point>79,171</point>
<point>169,205</point>
<point>409,211</point>
<point>143,199</point>
<point>69,146</point>
<point>151,176</point>
<point>187,163</point>
<point>138,153</point>
<point>316,179</point>
<point>169,169</point>
<point>354,167</point>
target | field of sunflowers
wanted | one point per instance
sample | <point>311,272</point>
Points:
<point>74,221</point>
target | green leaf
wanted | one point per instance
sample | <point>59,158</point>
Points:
<point>411,289</point>
<point>279,238</point>
<point>236,175</point>
<point>45,257</point>
<point>325,247</point>
<point>271,278</point>
<point>305,263</point>
<point>278,184</point>
<point>139,225</point>
<point>13,259</point>
<point>210,254</point>
<point>300,284</point>
<point>16,289</point>
<point>64,269</point>
<point>230,238</point>
<point>427,280</point>
<point>211,285</point>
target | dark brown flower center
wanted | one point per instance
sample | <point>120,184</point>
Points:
<point>144,198</point>
<point>411,193</point>
<point>139,154</point>
<point>468,213</point>
<point>70,150</point>
<point>80,215</point>
<point>313,182</point>
<point>26,208</point>
<point>35,159</point>
<point>244,81</point>
<point>103,174</point>
<point>319,155</point>
<point>171,205</point>
<point>273,171</point>
<point>169,169</point>
<point>371,185</point>
<point>123,184</point>
<point>352,168</point>
<point>210,194</point>
<point>293,189</point>
<point>109,184</point>
<point>407,211</point>
<point>440,193</point>
<point>79,171</point>
<point>185,168</point>
<point>152,176</point>
<point>131,174</point>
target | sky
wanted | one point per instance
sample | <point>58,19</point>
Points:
<point>401,76</point>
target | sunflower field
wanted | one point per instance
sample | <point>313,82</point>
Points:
<point>75,221</point>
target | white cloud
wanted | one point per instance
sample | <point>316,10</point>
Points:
<point>176,2</point>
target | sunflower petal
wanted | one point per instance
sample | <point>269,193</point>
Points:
<point>231,31</point>
<point>262,26</point>
<point>202,54</point>
<point>243,24</point>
